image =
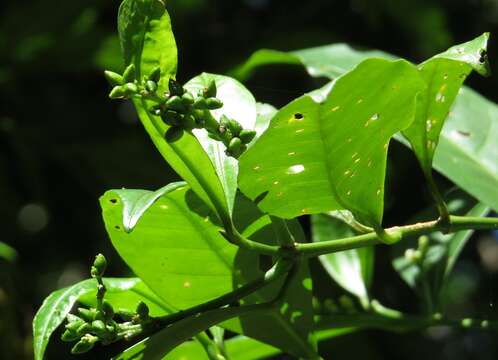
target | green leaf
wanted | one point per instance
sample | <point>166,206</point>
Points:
<point>264,113</point>
<point>467,151</point>
<point>318,157</point>
<point>147,39</point>
<point>244,348</point>
<point>58,304</point>
<point>177,250</point>
<point>238,104</point>
<point>444,75</point>
<point>329,60</point>
<point>175,247</point>
<point>352,269</point>
<point>427,276</point>
<point>159,345</point>
<point>7,252</point>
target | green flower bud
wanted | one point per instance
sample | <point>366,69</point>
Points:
<point>247,135</point>
<point>69,335</point>
<point>175,88</point>
<point>87,314</point>
<point>234,146</point>
<point>100,264</point>
<point>126,315</point>
<point>98,327</point>
<point>131,88</point>
<point>171,118</point>
<point>85,344</point>
<point>84,329</point>
<point>187,99</point>
<point>151,86</point>
<point>175,103</point>
<point>189,122</point>
<point>214,136</point>
<point>74,325</point>
<point>173,134</point>
<point>200,104</point>
<point>129,73</point>
<point>117,92</point>
<point>224,120</point>
<point>113,78</point>
<point>214,103</point>
<point>226,135</point>
<point>71,318</point>
<point>108,310</point>
<point>142,310</point>
<point>155,74</point>
<point>210,90</point>
<point>234,127</point>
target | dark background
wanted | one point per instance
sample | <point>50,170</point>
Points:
<point>63,143</point>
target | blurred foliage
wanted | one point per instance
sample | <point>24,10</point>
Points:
<point>62,143</point>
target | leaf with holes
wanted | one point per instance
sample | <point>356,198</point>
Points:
<point>352,269</point>
<point>147,41</point>
<point>318,157</point>
<point>58,304</point>
<point>238,104</point>
<point>467,151</point>
<point>444,75</point>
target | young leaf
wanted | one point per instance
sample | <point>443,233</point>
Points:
<point>318,157</point>
<point>352,269</point>
<point>444,75</point>
<point>147,41</point>
<point>238,104</point>
<point>175,247</point>
<point>58,304</point>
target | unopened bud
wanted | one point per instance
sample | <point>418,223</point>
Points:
<point>247,136</point>
<point>113,78</point>
<point>129,73</point>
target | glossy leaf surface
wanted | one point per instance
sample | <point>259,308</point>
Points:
<point>238,104</point>
<point>466,153</point>
<point>58,304</point>
<point>352,269</point>
<point>318,157</point>
<point>444,75</point>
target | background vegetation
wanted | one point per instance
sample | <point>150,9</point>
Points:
<point>63,143</point>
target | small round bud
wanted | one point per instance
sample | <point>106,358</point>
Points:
<point>131,88</point>
<point>87,314</point>
<point>175,103</point>
<point>84,329</point>
<point>466,323</point>
<point>210,90</point>
<point>98,327</point>
<point>117,92</point>
<point>214,103</point>
<point>234,127</point>
<point>173,134</point>
<point>247,136</point>
<point>100,264</point>
<point>189,122</point>
<point>108,310</point>
<point>142,310</point>
<point>155,74</point>
<point>129,73</point>
<point>69,335</point>
<point>126,315</point>
<point>187,99</point>
<point>234,147</point>
<point>113,78</point>
<point>200,104</point>
<point>171,118</point>
<point>151,86</point>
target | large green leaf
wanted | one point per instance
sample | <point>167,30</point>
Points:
<point>444,75</point>
<point>238,104</point>
<point>175,247</point>
<point>316,157</point>
<point>148,41</point>
<point>177,250</point>
<point>352,269</point>
<point>427,275</point>
<point>58,304</point>
<point>467,151</point>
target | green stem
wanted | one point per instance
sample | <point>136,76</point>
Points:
<point>281,267</point>
<point>282,233</point>
<point>442,208</point>
<point>457,223</point>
